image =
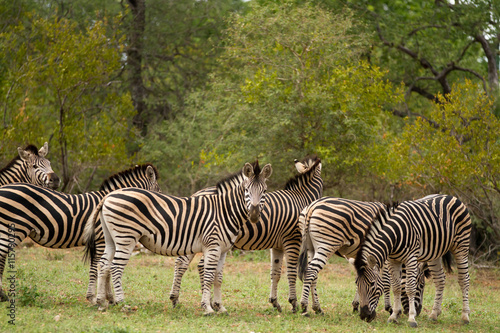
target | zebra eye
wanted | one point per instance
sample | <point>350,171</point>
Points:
<point>35,166</point>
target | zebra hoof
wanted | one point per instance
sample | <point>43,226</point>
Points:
<point>92,300</point>
<point>412,324</point>
<point>318,311</point>
<point>174,299</point>
<point>208,313</point>
<point>274,302</point>
<point>3,296</point>
<point>102,307</point>
<point>306,314</point>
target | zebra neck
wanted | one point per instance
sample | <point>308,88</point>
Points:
<point>309,180</point>
<point>14,172</point>
<point>232,209</point>
<point>379,239</point>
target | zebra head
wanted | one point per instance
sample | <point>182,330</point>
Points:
<point>255,186</point>
<point>38,169</point>
<point>369,283</point>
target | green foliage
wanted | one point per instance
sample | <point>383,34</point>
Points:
<point>61,305</point>
<point>458,153</point>
<point>291,82</point>
<point>28,295</point>
<point>460,147</point>
<point>61,83</point>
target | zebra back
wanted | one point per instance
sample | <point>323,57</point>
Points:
<point>143,176</point>
<point>30,166</point>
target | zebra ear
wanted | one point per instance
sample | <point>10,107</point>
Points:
<point>23,154</point>
<point>248,170</point>
<point>44,150</point>
<point>371,261</point>
<point>151,173</point>
<point>267,171</point>
<point>301,168</point>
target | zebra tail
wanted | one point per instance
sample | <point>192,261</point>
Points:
<point>448,262</point>
<point>303,256</point>
<point>89,234</point>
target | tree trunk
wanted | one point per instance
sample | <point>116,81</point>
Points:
<point>134,62</point>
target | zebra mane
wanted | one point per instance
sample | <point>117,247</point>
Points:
<point>236,176</point>
<point>116,181</point>
<point>371,232</point>
<point>31,148</point>
<point>295,181</point>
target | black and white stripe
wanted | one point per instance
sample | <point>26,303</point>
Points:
<point>418,231</point>
<point>54,219</point>
<point>331,226</point>
<point>277,229</point>
<point>174,226</point>
<point>30,166</point>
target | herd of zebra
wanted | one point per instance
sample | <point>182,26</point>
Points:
<point>391,247</point>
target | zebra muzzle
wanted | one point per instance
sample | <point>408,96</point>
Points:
<point>366,314</point>
<point>53,181</point>
<point>254,213</point>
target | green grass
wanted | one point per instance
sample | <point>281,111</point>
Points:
<point>51,286</point>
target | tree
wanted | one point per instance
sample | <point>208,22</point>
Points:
<point>62,84</point>
<point>170,52</point>
<point>459,154</point>
<point>291,82</point>
<point>431,45</point>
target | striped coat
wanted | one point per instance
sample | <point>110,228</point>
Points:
<point>418,231</point>
<point>54,219</point>
<point>174,226</point>
<point>277,229</point>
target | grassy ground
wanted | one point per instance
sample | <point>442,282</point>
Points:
<point>51,287</point>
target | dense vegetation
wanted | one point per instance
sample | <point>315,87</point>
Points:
<point>399,98</point>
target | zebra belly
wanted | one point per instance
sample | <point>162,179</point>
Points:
<point>171,250</point>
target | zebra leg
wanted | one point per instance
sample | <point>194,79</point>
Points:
<point>7,244</point>
<point>355,301</point>
<point>103,280</point>
<point>122,255</point>
<point>395,269</point>
<point>313,268</point>
<point>217,303</point>
<point>212,255</point>
<point>201,271</point>
<point>461,258</point>
<point>91,290</point>
<point>181,265</point>
<point>386,283</point>
<point>292,261</point>
<point>316,306</point>
<point>410,289</point>
<point>438,276</point>
<point>276,260</point>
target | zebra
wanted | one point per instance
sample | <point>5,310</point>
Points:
<point>174,226</point>
<point>54,219</point>
<point>418,231</point>
<point>30,166</point>
<point>331,226</point>
<point>277,229</point>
